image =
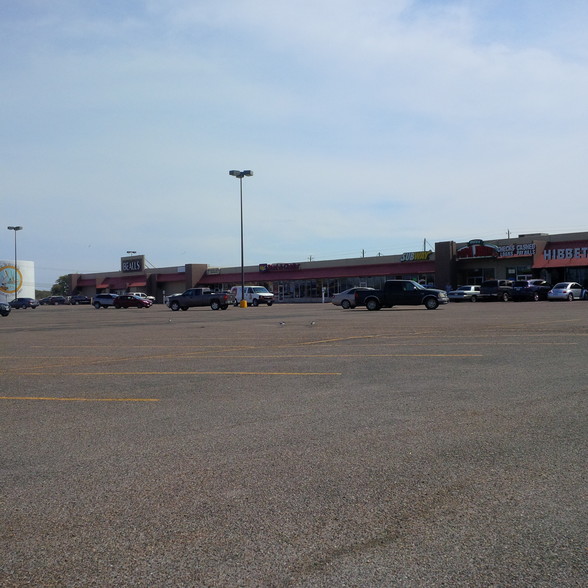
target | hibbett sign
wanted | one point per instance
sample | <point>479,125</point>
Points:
<point>565,253</point>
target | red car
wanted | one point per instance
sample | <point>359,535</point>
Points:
<point>129,301</point>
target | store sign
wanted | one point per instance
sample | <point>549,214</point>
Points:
<point>518,249</point>
<point>132,264</point>
<point>476,249</point>
<point>279,267</point>
<point>416,256</point>
<point>10,279</point>
<point>213,271</point>
<point>567,253</point>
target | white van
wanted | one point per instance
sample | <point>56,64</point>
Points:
<point>254,295</point>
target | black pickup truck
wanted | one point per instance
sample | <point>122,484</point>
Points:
<point>400,293</point>
<point>200,297</point>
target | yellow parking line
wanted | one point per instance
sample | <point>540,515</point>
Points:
<point>79,399</point>
<point>191,373</point>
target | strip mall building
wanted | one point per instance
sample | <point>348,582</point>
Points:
<point>554,258</point>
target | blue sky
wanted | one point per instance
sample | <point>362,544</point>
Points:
<point>370,125</point>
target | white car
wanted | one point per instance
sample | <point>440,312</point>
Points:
<point>470,293</point>
<point>143,295</point>
<point>346,299</point>
<point>566,291</point>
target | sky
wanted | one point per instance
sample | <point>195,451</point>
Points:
<point>371,127</point>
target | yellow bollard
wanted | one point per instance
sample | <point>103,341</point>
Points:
<point>243,304</point>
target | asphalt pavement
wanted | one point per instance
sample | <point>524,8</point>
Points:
<point>294,445</point>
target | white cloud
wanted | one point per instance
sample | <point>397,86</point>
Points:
<point>368,126</point>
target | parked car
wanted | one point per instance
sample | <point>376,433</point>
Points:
<point>530,290</point>
<point>54,300</point>
<point>195,297</point>
<point>566,291</point>
<point>130,301</point>
<point>346,299</point>
<point>24,303</point>
<point>254,295</point>
<point>469,293</point>
<point>104,300</point>
<point>79,299</point>
<point>401,293</point>
<point>5,308</point>
<point>496,290</point>
<point>143,295</point>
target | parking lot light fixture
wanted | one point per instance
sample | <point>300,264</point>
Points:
<point>15,229</point>
<point>241,174</point>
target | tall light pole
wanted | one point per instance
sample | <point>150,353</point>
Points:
<point>15,260</point>
<point>241,175</point>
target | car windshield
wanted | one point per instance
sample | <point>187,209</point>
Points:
<point>260,289</point>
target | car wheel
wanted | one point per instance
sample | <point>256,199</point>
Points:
<point>474,299</point>
<point>270,302</point>
<point>224,307</point>
<point>255,302</point>
<point>215,305</point>
<point>372,304</point>
<point>96,305</point>
<point>175,306</point>
<point>571,297</point>
<point>431,303</point>
<point>184,307</point>
<point>536,296</point>
<point>346,304</point>
<point>505,297</point>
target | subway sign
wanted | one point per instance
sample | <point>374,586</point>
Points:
<point>416,256</point>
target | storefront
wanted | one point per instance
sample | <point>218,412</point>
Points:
<point>553,258</point>
<point>563,261</point>
<point>310,281</point>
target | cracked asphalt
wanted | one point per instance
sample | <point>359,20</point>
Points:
<point>297,445</point>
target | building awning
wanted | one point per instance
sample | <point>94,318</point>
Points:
<point>137,284</point>
<point>179,277</point>
<point>102,285</point>
<point>118,283</point>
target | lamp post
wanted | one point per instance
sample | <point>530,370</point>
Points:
<point>241,175</point>
<point>15,260</point>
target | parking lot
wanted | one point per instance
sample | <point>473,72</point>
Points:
<point>297,445</point>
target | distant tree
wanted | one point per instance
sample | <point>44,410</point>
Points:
<point>61,287</point>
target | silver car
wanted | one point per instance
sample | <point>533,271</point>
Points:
<point>566,291</point>
<point>346,299</point>
<point>469,293</point>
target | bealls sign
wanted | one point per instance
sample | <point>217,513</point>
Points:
<point>132,264</point>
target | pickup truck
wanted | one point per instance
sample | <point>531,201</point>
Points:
<point>401,292</point>
<point>199,297</point>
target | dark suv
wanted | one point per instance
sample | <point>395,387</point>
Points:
<point>496,290</point>
<point>530,290</point>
